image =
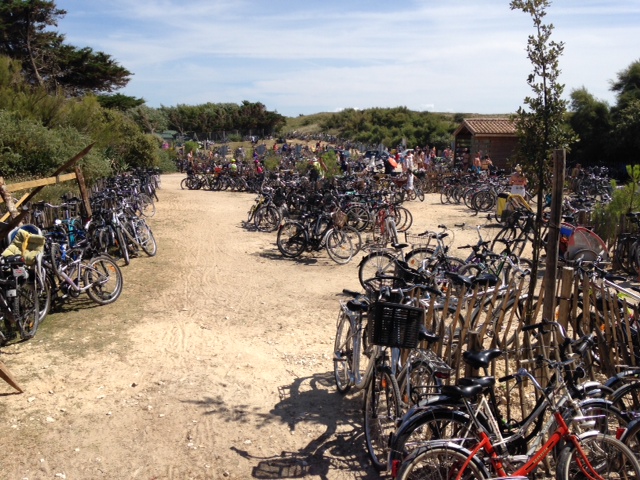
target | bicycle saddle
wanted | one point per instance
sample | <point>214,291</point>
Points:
<point>458,279</point>
<point>461,391</point>
<point>484,382</point>
<point>486,279</point>
<point>482,358</point>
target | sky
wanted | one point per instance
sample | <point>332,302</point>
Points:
<point>299,57</point>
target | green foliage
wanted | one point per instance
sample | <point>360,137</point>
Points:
<point>590,119</point>
<point>235,137</point>
<point>211,118</point>
<point>606,218</point>
<point>627,86</point>
<point>191,147</point>
<point>271,161</point>
<point>332,164</point>
<point>119,101</point>
<point>26,29</point>
<point>390,126</point>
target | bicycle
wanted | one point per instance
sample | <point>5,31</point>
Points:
<point>318,231</point>
<point>572,460</point>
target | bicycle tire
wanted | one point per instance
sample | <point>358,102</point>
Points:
<point>28,313</point>
<point>416,256</point>
<point>414,385</point>
<point>403,218</point>
<point>292,239</point>
<point>442,461</point>
<point>267,218</point>
<point>627,397</point>
<point>343,351</point>
<point>419,194</point>
<point>146,240</point>
<point>184,183</point>
<point>106,279</point>
<point>609,457</point>
<point>381,409</point>
<point>436,423</point>
<point>146,205</point>
<point>339,246</point>
<point>375,264</point>
<point>358,217</point>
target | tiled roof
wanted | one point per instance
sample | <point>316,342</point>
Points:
<point>489,126</point>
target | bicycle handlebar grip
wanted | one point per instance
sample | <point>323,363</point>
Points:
<point>526,328</point>
<point>442,226</point>
<point>506,378</point>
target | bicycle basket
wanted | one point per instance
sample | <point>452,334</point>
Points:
<point>416,239</point>
<point>395,325</point>
<point>340,218</point>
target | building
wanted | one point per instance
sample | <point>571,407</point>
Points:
<point>495,137</point>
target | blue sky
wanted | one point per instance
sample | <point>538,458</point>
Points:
<point>309,56</point>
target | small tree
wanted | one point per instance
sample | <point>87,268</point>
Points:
<point>540,127</point>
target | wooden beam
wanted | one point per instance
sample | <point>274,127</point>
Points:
<point>15,221</point>
<point>15,187</point>
<point>84,194</point>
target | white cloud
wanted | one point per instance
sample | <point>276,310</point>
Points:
<point>296,58</point>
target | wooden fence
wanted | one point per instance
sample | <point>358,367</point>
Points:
<point>484,320</point>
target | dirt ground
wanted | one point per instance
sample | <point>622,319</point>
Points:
<point>216,361</point>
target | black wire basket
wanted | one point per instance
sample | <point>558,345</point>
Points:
<point>396,325</point>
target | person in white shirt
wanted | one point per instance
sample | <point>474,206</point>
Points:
<point>407,168</point>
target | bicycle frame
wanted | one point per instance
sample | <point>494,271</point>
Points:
<point>560,434</point>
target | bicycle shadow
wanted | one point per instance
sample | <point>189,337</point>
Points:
<point>340,448</point>
<point>312,400</point>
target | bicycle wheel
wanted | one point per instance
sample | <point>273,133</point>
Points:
<point>627,397</point>
<point>105,279</point>
<point>146,206</point>
<point>123,249</point>
<point>375,264</point>
<point>381,409</point>
<point>608,457</point>
<point>403,219</point>
<point>27,309</point>
<point>440,462</point>
<point>343,350</point>
<point>419,194</point>
<point>358,217</point>
<point>432,424</point>
<point>415,381</point>
<point>267,218</point>
<point>631,437</point>
<point>339,246</point>
<point>291,240</point>
<point>416,256</point>
<point>184,184</point>
<point>145,238</point>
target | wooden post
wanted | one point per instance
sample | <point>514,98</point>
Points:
<point>8,199</point>
<point>550,274</point>
<point>565,297</point>
<point>6,375</point>
<point>84,195</point>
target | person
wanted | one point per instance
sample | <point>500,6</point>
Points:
<point>407,168</point>
<point>487,164</point>
<point>466,158</point>
<point>518,182</point>
<point>477,163</point>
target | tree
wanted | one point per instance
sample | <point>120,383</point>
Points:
<point>627,86</point>
<point>120,102</point>
<point>47,61</point>
<point>540,127</point>
<point>150,120</point>
<point>590,119</point>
